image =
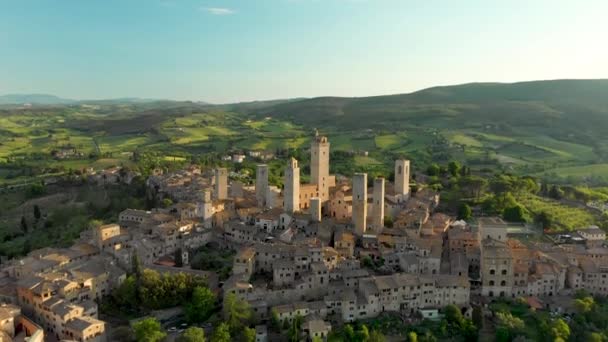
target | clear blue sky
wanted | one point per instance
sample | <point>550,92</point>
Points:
<point>232,50</point>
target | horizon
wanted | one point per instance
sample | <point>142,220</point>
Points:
<point>228,51</point>
<point>69,98</point>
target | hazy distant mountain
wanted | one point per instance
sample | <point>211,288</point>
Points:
<point>46,99</point>
<point>33,99</point>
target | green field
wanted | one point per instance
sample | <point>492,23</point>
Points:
<point>524,127</point>
<point>564,217</point>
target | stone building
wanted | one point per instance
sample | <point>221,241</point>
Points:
<point>261,185</point>
<point>291,197</point>
<point>319,165</point>
<point>221,184</point>
<point>360,203</point>
<point>402,179</point>
<point>378,205</point>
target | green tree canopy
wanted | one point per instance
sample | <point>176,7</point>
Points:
<point>199,308</point>
<point>237,312</point>
<point>192,334</point>
<point>221,333</point>
<point>148,330</point>
<point>465,212</point>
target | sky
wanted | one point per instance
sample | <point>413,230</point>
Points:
<point>240,50</point>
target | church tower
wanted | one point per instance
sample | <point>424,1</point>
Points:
<point>360,203</point>
<point>291,195</point>
<point>319,165</point>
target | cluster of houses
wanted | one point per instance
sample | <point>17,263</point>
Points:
<point>321,251</point>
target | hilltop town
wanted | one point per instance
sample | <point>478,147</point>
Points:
<point>325,253</point>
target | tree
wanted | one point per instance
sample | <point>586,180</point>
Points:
<point>221,333</point>
<point>433,170</point>
<point>388,222</point>
<point>136,266</point>
<point>556,192</point>
<point>474,186</point>
<point>37,214</point>
<point>515,214</point>
<point>201,305</point>
<point>595,337</point>
<point>454,168</point>
<point>584,305</point>
<point>24,227</point>
<point>236,311</point>
<point>363,333</point>
<point>148,330</point>
<point>465,212</point>
<point>275,322</point>
<point>192,334</point>
<point>36,189</point>
<point>177,256</point>
<point>543,219</point>
<point>453,315</point>
<point>167,202</point>
<point>376,336</point>
<point>349,332</point>
<point>508,326</point>
<point>560,329</point>
<point>248,335</point>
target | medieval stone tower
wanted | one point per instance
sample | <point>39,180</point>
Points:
<point>402,178</point>
<point>261,185</point>
<point>360,202</point>
<point>315,209</point>
<point>378,209</point>
<point>221,183</point>
<point>291,196</point>
<point>319,165</point>
<point>205,208</point>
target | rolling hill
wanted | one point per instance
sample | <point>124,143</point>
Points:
<point>553,129</point>
<point>582,103</point>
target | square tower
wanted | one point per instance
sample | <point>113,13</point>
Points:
<point>402,178</point>
<point>261,185</point>
<point>378,209</point>
<point>360,202</point>
<point>315,209</point>
<point>319,165</point>
<point>221,183</point>
<point>291,197</point>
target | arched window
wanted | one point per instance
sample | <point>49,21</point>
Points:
<point>492,272</point>
<point>399,170</point>
<point>491,282</point>
<point>503,283</point>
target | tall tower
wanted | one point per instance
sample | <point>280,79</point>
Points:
<point>315,209</point>
<point>221,183</point>
<point>360,202</point>
<point>378,213</point>
<point>291,197</point>
<point>261,185</point>
<point>205,207</point>
<point>319,165</point>
<point>402,178</point>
